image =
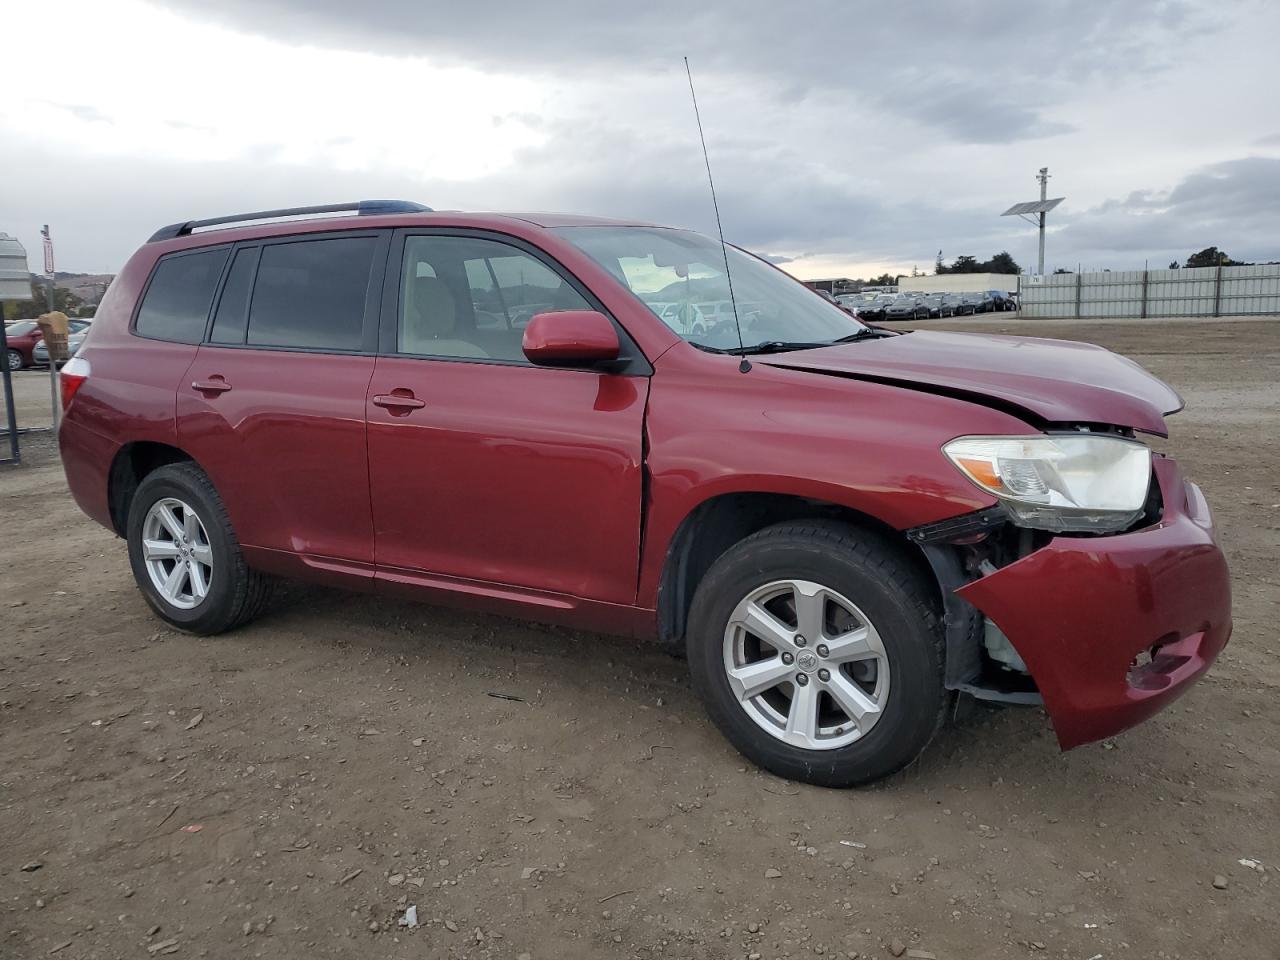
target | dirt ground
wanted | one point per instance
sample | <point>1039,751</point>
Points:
<point>286,790</point>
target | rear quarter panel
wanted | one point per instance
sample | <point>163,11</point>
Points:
<point>129,397</point>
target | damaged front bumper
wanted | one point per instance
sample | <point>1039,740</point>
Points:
<point>1114,628</point>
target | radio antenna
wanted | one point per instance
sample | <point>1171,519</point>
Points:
<point>745,365</point>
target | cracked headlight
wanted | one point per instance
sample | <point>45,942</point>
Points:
<point>1066,483</point>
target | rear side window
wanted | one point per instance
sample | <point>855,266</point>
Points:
<point>176,304</point>
<point>233,306</point>
<point>311,294</point>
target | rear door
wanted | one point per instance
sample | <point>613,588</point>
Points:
<point>483,466</point>
<point>273,404</point>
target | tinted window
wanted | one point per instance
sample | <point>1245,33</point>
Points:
<point>176,304</point>
<point>312,294</point>
<point>20,329</point>
<point>233,306</point>
<point>465,297</point>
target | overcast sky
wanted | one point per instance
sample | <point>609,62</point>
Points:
<point>846,138</point>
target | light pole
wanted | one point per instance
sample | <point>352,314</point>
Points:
<point>1043,177</point>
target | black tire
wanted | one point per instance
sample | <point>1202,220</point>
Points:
<point>14,359</point>
<point>236,594</point>
<point>868,570</point>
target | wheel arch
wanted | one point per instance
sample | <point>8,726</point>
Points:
<point>720,521</point>
<point>130,466</point>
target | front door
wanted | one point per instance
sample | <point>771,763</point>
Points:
<point>482,466</point>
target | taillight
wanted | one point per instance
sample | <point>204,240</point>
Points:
<point>73,375</point>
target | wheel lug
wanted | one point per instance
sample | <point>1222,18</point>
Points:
<point>802,679</point>
<point>788,659</point>
<point>822,650</point>
<point>824,675</point>
<point>800,641</point>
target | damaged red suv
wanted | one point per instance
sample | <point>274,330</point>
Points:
<point>843,526</point>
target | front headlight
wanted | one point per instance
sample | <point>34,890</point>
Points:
<point>1067,483</point>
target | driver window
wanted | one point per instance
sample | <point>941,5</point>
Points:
<point>469,298</point>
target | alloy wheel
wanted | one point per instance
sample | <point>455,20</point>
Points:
<point>14,359</point>
<point>806,665</point>
<point>177,553</point>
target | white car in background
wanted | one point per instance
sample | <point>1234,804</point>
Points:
<point>75,340</point>
<point>686,319</point>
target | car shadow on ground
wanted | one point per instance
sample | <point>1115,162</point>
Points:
<point>631,675</point>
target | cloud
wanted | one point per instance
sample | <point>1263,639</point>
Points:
<point>82,112</point>
<point>843,140</point>
<point>1232,204</point>
<point>975,72</point>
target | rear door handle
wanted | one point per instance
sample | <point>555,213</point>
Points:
<point>399,401</point>
<point>214,384</point>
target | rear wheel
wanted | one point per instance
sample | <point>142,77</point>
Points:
<point>185,556</point>
<point>818,654</point>
<point>14,359</point>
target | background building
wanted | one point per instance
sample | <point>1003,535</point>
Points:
<point>959,283</point>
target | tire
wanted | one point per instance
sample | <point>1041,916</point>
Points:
<point>233,594</point>
<point>890,598</point>
<point>14,359</point>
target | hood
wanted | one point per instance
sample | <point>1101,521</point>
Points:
<point>1058,381</point>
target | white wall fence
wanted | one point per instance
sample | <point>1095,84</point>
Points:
<point>1190,292</point>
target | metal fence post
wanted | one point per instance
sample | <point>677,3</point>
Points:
<point>10,403</point>
<point>1079,278</point>
<point>1145,275</point>
<point>1217,292</point>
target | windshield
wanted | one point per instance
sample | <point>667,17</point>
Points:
<point>680,277</point>
<point>21,328</point>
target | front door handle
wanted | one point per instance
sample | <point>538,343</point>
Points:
<point>214,384</point>
<point>398,401</point>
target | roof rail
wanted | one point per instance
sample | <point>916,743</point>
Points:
<point>362,208</point>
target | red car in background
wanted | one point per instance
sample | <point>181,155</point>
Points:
<point>842,526</point>
<point>21,338</point>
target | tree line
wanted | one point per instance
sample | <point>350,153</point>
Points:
<point>1002,262</point>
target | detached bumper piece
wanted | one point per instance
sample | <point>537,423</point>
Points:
<point>1114,628</point>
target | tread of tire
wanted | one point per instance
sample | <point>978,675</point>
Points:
<point>254,588</point>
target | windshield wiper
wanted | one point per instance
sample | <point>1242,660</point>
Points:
<point>867,333</point>
<point>783,346</point>
<point>778,346</point>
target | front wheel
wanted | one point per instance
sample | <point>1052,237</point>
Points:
<point>14,359</point>
<point>817,651</point>
<point>185,556</point>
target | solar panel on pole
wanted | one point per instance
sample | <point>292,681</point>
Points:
<point>1038,209</point>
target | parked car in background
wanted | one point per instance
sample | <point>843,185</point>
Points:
<point>874,308</point>
<point>958,305</point>
<point>75,339</point>
<point>852,302</point>
<point>906,308</point>
<point>841,526</point>
<point>21,337</point>
<point>1000,300</point>
<point>937,306</point>
<point>686,319</point>
<point>24,335</point>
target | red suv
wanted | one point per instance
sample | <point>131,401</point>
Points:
<point>843,526</point>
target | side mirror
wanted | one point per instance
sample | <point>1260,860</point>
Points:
<point>571,338</point>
